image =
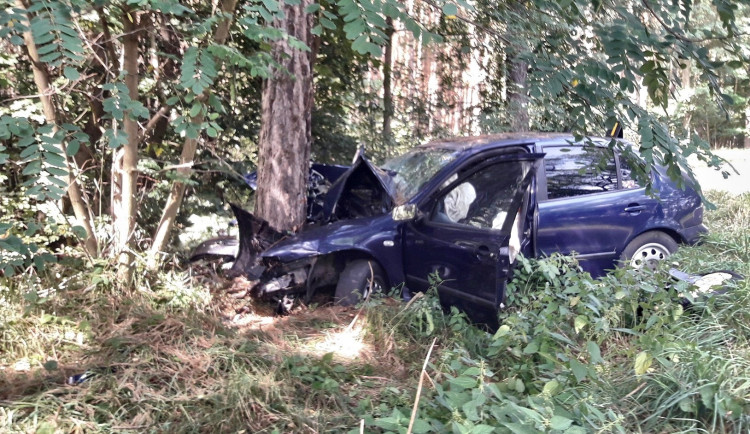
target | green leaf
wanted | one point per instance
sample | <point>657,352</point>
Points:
<point>79,231</point>
<point>531,348</point>
<point>559,422</point>
<point>463,382</point>
<point>420,427</point>
<point>594,352</point>
<point>580,371</point>
<point>470,410</point>
<point>472,371</point>
<point>32,168</point>
<point>450,9</point>
<point>551,388</point>
<point>642,362</point>
<point>71,74</point>
<point>580,322</point>
<point>520,428</point>
<point>196,109</point>
<point>72,148</point>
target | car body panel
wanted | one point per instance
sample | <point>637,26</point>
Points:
<point>596,226</point>
<point>352,220</point>
<point>376,237</point>
<point>471,264</point>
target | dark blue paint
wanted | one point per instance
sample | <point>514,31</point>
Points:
<point>596,226</point>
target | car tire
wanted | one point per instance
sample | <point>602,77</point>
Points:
<point>354,282</point>
<point>647,249</point>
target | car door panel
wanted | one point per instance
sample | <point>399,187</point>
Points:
<point>587,214</point>
<point>593,226</point>
<point>472,263</point>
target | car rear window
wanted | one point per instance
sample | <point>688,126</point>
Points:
<point>579,170</point>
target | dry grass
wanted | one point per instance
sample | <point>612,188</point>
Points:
<point>231,366</point>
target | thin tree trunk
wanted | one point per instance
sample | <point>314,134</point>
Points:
<point>387,90</point>
<point>174,201</point>
<point>75,193</point>
<point>285,135</point>
<point>123,219</point>
<point>518,100</point>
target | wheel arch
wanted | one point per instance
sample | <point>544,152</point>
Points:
<point>328,267</point>
<point>664,229</point>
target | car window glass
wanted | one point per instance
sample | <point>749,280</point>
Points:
<point>626,174</point>
<point>482,200</point>
<point>578,170</point>
<point>413,169</point>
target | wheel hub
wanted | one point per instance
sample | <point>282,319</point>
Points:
<point>648,256</point>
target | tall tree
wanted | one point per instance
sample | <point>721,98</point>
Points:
<point>285,135</point>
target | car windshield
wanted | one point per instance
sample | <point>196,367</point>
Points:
<point>413,169</point>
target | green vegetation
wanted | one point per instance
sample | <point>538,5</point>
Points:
<point>573,354</point>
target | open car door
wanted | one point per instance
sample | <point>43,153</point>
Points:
<point>471,230</point>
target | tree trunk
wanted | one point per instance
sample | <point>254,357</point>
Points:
<point>75,193</point>
<point>387,90</point>
<point>518,106</point>
<point>123,219</point>
<point>285,135</point>
<point>185,170</point>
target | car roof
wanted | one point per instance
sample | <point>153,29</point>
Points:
<point>476,143</point>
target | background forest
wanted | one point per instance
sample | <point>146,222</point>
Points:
<point>121,121</point>
<point>113,111</point>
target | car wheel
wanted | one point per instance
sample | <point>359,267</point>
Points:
<point>358,279</point>
<point>647,249</point>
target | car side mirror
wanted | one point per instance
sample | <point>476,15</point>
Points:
<point>405,212</point>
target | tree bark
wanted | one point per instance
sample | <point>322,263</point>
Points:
<point>387,89</point>
<point>76,194</point>
<point>123,218</point>
<point>285,135</point>
<point>518,100</point>
<point>185,170</point>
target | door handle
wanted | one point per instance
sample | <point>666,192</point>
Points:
<point>484,252</point>
<point>634,208</point>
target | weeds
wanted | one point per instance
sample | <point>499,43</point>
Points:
<point>573,354</point>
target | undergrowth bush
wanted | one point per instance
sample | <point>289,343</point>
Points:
<point>575,354</point>
<point>572,354</point>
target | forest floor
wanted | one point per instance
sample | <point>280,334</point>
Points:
<point>185,351</point>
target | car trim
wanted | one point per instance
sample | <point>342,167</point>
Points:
<point>596,255</point>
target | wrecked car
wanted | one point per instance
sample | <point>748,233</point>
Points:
<point>462,209</point>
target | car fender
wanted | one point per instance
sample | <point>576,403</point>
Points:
<point>218,247</point>
<point>378,238</point>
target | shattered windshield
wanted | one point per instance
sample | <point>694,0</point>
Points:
<point>414,168</point>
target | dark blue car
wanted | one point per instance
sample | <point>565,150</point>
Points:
<point>462,209</point>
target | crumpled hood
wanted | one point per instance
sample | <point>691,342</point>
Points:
<point>357,198</point>
<point>364,190</point>
<point>321,240</point>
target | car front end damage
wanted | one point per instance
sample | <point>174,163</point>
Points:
<point>281,265</point>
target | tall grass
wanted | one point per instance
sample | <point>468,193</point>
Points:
<point>574,354</point>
